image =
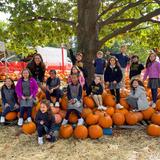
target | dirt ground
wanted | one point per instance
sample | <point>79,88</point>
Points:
<point>124,144</point>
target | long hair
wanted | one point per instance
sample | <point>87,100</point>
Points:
<point>33,64</point>
<point>75,68</point>
<point>116,60</point>
<point>13,85</point>
<point>26,69</point>
<point>139,82</point>
<point>148,62</point>
<point>49,111</point>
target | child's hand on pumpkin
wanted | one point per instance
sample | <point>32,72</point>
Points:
<point>41,122</point>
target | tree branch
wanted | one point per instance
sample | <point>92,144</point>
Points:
<point>116,14</point>
<point>51,19</point>
<point>128,27</point>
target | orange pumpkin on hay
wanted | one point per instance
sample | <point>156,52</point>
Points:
<point>81,132</point>
<point>147,114</point>
<point>105,121</point>
<point>66,131</point>
<point>131,118</point>
<point>118,119</point>
<point>29,128</point>
<point>153,130</point>
<point>155,118</point>
<point>95,131</point>
<point>92,119</point>
<point>11,116</point>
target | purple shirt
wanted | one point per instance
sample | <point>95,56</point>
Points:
<point>153,71</point>
<point>33,87</point>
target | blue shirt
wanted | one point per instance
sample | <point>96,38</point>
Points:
<point>99,64</point>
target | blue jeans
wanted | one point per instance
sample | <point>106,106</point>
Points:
<point>7,110</point>
<point>25,109</point>
<point>154,94</point>
<point>56,93</point>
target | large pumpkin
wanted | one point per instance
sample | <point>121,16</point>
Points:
<point>81,132</point>
<point>58,118</point>
<point>118,119</point>
<point>105,122</point>
<point>131,118</point>
<point>11,116</point>
<point>110,111</point>
<point>29,128</point>
<point>89,102</point>
<point>64,102</point>
<point>123,111</point>
<point>86,112</point>
<point>73,118</point>
<point>100,113</point>
<point>155,118</point>
<point>147,114</point>
<point>124,103</point>
<point>109,100</point>
<point>139,116</point>
<point>66,131</point>
<point>92,119</point>
<point>95,131</point>
<point>153,130</point>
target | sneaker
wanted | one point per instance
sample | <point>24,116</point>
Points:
<point>29,119</point>
<point>153,105</point>
<point>57,104</point>
<point>103,108</point>
<point>100,107</point>
<point>2,119</point>
<point>40,140</point>
<point>118,106</point>
<point>20,121</point>
<point>65,121</point>
<point>80,121</point>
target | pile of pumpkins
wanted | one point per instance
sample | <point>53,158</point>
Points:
<point>96,120</point>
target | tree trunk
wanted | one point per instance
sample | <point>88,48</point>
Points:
<point>87,32</point>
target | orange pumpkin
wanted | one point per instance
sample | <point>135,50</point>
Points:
<point>95,131</point>
<point>139,116</point>
<point>92,119</point>
<point>11,116</point>
<point>73,118</point>
<point>124,103</point>
<point>100,113</point>
<point>118,119</point>
<point>29,128</point>
<point>131,118</point>
<point>88,101</point>
<point>64,102</point>
<point>34,112</point>
<point>123,111</point>
<point>147,114</point>
<point>110,111</point>
<point>105,122</point>
<point>109,100</point>
<point>38,105</point>
<point>66,131</point>
<point>58,118</point>
<point>153,130</point>
<point>81,132</point>
<point>86,112</point>
<point>155,118</point>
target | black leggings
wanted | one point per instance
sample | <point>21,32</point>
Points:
<point>116,93</point>
<point>69,111</point>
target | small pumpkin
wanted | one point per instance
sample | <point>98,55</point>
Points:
<point>66,131</point>
<point>89,102</point>
<point>92,119</point>
<point>110,111</point>
<point>147,114</point>
<point>155,118</point>
<point>153,130</point>
<point>131,118</point>
<point>11,116</point>
<point>109,100</point>
<point>29,128</point>
<point>86,112</point>
<point>95,131</point>
<point>105,121</point>
<point>118,119</point>
<point>81,132</point>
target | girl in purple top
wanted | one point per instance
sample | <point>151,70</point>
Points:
<point>153,72</point>
<point>26,90</point>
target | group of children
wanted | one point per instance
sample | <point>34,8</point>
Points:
<point>108,72</point>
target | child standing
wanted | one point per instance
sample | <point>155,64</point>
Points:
<point>52,87</point>
<point>96,91</point>
<point>9,98</point>
<point>153,72</point>
<point>26,90</point>
<point>99,64</point>
<point>45,122</point>
<point>135,68</point>
<point>113,77</point>
<point>76,70</point>
<point>137,98</point>
<point>74,94</point>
